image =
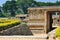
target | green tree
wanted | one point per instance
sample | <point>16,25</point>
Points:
<point>57,3</point>
<point>41,3</point>
<point>24,4</point>
<point>10,6</point>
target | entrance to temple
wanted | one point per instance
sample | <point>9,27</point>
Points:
<point>45,18</point>
<point>51,21</point>
<point>53,18</point>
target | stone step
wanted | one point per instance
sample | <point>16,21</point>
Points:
<point>36,27</point>
<point>24,37</point>
<point>37,31</point>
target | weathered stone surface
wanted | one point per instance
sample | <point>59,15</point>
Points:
<point>17,30</point>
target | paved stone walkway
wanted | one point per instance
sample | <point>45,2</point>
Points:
<point>20,38</point>
<point>52,35</point>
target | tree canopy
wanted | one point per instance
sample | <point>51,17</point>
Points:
<point>11,8</point>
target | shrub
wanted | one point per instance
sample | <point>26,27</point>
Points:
<point>58,32</point>
<point>4,24</point>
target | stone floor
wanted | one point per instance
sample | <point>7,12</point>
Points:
<point>20,38</point>
<point>52,35</point>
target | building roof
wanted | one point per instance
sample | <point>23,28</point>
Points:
<point>45,7</point>
<point>21,15</point>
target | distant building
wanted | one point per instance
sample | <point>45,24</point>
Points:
<point>23,17</point>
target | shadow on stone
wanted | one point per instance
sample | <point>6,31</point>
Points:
<point>17,30</point>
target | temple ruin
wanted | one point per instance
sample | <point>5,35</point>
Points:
<point>43,18</point>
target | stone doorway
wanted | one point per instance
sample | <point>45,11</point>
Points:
<point>53,19</point>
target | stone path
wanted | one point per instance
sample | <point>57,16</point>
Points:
<point>21,38</point>
<point>52,35</point>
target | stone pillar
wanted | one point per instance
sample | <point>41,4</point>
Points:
<point>45,26</point>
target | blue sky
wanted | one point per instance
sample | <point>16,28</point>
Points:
<point>3,1</point>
